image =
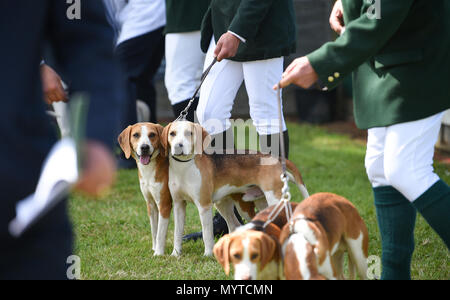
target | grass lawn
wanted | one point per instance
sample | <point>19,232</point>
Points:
<point>113,234</point>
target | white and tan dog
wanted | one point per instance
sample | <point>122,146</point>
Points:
<point>142,141</point>
<point>324,227</point>
<point>210,179</point>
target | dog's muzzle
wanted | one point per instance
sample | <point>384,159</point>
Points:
<point>145,156</point>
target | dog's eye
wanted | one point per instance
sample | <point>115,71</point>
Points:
<point>188,133</point>
<point>254,256</point>
<point>152,135</point>
<point>237,256</point>
<point>136,135</point>
<point>173,133</point>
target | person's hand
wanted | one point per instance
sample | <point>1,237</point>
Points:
<point>52,86</point>
<point>337,18</point>
<point>299,72</point>
<point>227,46</point>
<point>98,172</point>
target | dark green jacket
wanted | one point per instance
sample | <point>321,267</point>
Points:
<point>400,63</point>
<point>185,15</point>
<point>267,25</point>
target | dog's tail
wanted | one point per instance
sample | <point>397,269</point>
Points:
<point>295,176</point>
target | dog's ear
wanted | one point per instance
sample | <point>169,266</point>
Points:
<point>202,139</point>
<point>268,248</point>
<point>222,252</point>
<point>273,230</point>
<point>160,129</point>
<point>284,235</point>
<point>124,141</point>
<point>165,140</point>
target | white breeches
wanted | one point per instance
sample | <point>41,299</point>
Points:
<point>401,156</point>
<point>222,84</point>
<point>184,65</point>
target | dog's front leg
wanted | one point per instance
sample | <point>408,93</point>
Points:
<point>206,218</point>
<point>163,225</point>
<point>179,213</point>
<point>152,210</point>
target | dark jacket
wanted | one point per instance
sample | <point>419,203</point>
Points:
<point>267,25</point>
<point>185,15</point>
<point>84,57</point>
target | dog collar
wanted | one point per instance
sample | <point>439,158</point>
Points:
<point>179,160</point>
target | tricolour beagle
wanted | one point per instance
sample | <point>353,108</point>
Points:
<point>254,250</point>
<point>324,227</point>
<point>142,141</point>
<point>207,179</point>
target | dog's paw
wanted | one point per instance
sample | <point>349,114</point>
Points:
<point>158,253</point>
<point>208,253</point>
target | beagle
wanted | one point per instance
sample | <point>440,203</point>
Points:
<point>253,249</point>
<point>142,141</point>
<point>324,227</point>
<point>207,179</point>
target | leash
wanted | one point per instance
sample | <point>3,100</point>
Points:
<point>184,112</point>
<point>285,194</point>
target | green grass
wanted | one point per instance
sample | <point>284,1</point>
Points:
<point>113,234</point>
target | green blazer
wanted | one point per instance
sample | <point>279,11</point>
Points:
<point>185,15</point>
<point>267,25</point>
<point>400,63</point>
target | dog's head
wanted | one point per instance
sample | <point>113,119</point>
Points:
<point>249,251</point>
<point>142,141</point>
<point>184,139</point>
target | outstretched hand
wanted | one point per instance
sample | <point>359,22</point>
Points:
<point>299,72</point>
<point>99,170</point>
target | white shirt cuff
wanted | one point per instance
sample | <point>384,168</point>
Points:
<point>238,36</point>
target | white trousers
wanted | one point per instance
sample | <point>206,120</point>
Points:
<point>401,156</point>
<point>222,84</point>
<point>184,65</point>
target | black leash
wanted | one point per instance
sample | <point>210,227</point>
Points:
<point>184,112</point>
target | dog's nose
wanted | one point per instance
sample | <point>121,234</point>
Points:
<point>145,148</point>
<point>180,145</point>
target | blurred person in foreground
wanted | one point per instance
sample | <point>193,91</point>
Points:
<point>398,53</point>
<point>82,50</point>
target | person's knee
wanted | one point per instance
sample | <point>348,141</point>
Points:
<point>375,171</point>
<point>370,170</point>
<point>398,175</point>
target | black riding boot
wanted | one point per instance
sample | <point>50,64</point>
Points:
<point>266,141</point>
<point>220,226</point>
<point>179,107</point>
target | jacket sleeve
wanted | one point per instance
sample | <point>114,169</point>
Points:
<point>83,51</point>
<point>207,31</point>
<point>249,16</point>
<point>363,38</point>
